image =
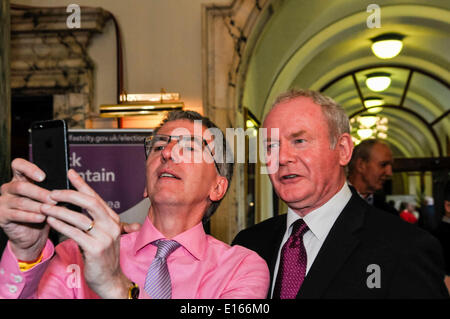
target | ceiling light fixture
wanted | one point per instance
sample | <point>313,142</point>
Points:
<point>373,104</point>
<point>387,46</point>
<point>374,109</point>
<point>367,121</point>
<point>369,126</point>
<point>373,101</point>
<point>378,81</point>
<point>365,133</point>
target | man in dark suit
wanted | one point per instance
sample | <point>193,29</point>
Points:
<point>369,168</point>
<point>331,243</point>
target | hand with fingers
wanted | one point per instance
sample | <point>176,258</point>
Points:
<point>98,238</point>
<point>20,210</point>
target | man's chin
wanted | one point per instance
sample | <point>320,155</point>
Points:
<point>295,202</point>
<point>166,199</point>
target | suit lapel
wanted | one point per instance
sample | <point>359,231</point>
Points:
<point>339,244</point>
<point>275,242</point>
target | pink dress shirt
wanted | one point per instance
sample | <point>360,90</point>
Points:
<point>203,267</point>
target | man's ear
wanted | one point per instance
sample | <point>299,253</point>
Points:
<point>345,147</point>
<point>447,207</point>
<point>219,190</point>
<point>145,192</point>
<point>360,165</point>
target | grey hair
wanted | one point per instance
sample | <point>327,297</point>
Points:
<point>337,120</point>
<point>225,167</point>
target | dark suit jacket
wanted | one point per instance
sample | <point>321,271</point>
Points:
<point>379,201</point>
<point>410,260</point>
<point>442,233</point>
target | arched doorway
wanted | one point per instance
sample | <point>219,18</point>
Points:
<point>256,50</point>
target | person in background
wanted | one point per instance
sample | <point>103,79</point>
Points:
<point>368,170</point>
<point>331,243</point>
<point>428,219</point>
<point>407,213</point>
<point>169,257</point>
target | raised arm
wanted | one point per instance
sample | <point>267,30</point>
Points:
<point>23,223</point>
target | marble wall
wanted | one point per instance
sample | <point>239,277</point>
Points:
<point>49,58</point>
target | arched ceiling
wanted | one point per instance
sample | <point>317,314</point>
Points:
<point>322,44</point>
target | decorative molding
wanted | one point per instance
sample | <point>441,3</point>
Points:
<point>229,35</point>
<point>48,58</point>
<point>227,32</point>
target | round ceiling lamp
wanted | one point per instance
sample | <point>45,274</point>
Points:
<point>367,121</point>
<point>373,104</point>
<point>373,101</point>
<point>378,81</point>
<point>365,133</point>
<point>387,46</point>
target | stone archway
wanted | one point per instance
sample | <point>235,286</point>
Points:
<point>228,34</point>
<point>253,50</point>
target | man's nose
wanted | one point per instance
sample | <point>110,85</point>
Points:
<point>167,153</point>
<point>389,170</point>
<point>285,154</point>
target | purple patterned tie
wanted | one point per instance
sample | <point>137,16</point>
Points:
<point>157,282</point>
<point>292,268</point>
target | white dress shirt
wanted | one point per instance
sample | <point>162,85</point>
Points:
<point>319,222</point>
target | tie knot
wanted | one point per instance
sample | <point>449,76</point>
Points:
<point>299,228</point>
<point>165,247</point>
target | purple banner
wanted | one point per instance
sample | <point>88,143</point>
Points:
<point>112,162</point>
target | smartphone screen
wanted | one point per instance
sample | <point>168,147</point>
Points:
<point>50,152</point>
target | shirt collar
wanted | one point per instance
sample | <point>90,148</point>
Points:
<point>369,198</point>
<point>193,240</point>
<point>321,220</point>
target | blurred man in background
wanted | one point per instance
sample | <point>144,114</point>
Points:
<point>368,170</point>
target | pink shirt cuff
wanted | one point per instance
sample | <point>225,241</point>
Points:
<point>15,284</point>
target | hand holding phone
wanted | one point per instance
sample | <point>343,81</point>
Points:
<point>20,210</point>
<point>50,152</point>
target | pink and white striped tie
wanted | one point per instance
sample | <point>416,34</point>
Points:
<point>157,282</point>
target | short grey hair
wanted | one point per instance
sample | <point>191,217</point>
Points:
<point>225,167</point>
<point>337,119</point>
<point>362,151</point>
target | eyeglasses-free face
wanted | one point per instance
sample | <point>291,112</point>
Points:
<point>188,146</point>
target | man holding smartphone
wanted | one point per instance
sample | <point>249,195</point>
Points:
<point>169,257</point>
